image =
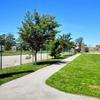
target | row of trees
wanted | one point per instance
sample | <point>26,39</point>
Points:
<point>36,32</point>
<point>8,41</point>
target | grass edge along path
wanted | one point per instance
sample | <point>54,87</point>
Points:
<point>8,74</point>
<point>81,76</point>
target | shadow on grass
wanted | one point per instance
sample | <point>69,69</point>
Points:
<point>47,62</point>
<point>51,62</point>
<point>6,75</point>
<point>54,60</point>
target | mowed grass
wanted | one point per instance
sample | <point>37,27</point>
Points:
<point>9,74</point>
<point>81,76</point>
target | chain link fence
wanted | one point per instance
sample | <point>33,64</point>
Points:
<point>18,57</point>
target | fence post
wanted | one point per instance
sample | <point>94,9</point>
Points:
<point>32,56</point>
<point>41,53</point>
<point>47,49</point>
<point>21,54</point>
<point>1,55</point>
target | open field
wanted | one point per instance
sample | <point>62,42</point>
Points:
<point>81,76</point>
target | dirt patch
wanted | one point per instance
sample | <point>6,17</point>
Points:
<point>95,87</point>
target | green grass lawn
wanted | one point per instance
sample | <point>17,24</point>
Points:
<point>81,76</point>
<point>9,74</point>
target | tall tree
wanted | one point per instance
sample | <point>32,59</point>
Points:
<point>37,30</point>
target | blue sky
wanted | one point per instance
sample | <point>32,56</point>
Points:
<point>79,17</point>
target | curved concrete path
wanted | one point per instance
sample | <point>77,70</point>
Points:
<point>33,87</point>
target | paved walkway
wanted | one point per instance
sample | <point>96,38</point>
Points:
<point>33,87</point>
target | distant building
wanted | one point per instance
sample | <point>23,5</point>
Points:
<point>96,48</point>
<point>92,49</point>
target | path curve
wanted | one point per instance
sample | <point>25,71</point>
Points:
<point>33,87</point>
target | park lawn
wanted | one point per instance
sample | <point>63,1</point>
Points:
<point>9,74</point>
<point>81,76</point>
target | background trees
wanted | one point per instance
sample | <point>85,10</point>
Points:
<point>10,41</point>
<point>2,39</point>
<point>7,40</point>
<point>79,42</point>
<point>37,30</point>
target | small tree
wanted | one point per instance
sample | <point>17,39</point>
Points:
<point>60,44</point>
<point>36,30</point>
<point>56,48</point>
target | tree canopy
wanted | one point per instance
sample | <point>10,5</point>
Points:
<point>36,30</point>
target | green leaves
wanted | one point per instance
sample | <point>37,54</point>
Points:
<point>36,30</point>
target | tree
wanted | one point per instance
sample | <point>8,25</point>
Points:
<point>56,48</point>
<point>10,41</point>
<point>36,30</point>
<point>64,41</point>
<point>79,42</point>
